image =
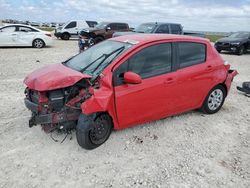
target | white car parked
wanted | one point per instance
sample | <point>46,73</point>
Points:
<point>23,35</point>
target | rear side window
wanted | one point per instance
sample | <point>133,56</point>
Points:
<point>71,25</point>
<point>175,29</point>
<point>121,26</point>
<point>151,61</point>
<point>26,29</point>
<point>191,53</point>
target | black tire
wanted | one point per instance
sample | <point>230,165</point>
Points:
<point>92,131</point>
<point>38,43</point>
<point>213,103</point>
<point>65,36</point>
<point>98,39</point>
<point>240,50</point>
<point>219,51</point>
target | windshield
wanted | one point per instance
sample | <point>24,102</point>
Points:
<point>95,59</point>
<point>240,35</point>
<point>145,28</point>
<point>101,25</point>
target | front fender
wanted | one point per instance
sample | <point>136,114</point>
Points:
<point>102,100</point>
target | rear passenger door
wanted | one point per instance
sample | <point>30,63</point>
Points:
<point>195,74</point>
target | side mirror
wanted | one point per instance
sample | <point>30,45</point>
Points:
<point>132,78</point>
<point>108,28</point>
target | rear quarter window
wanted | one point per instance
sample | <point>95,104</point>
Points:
<point>191,53</point>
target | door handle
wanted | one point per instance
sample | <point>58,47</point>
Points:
<point>169,81</point>
<point>13,34</point>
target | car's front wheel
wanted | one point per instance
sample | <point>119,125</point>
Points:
<point>241,50</point>
<point>65,36</point>
<point>214,100</point>
<point>38,43</point>
<point>92,132</point>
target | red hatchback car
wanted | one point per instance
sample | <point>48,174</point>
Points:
<point>126,81</point>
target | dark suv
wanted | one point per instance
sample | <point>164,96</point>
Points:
<point>104,30</point>
<point>237,43</point>
<point>154,27</point>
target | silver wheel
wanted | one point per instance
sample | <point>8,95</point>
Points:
<point>215,99</point>
<point>38,43</point>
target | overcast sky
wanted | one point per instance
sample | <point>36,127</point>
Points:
<point>200,15</point>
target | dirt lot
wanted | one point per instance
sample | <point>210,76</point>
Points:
<point>188,150</point>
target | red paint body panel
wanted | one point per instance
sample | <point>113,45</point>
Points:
<point>53,77</point>
<point>153,98</point>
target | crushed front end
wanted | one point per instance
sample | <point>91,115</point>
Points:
<point>56,109</point>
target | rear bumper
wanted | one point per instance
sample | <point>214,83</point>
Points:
<point>230,76</point>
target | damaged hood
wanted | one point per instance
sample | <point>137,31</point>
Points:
<point>53,77</point>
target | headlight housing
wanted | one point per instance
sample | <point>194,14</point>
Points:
<point>235,43</point>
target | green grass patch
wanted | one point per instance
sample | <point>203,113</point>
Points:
<point>214,38</point>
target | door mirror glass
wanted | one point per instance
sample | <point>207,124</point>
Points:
<point>132,78</point>
<point>108,28</point>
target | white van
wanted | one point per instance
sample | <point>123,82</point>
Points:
<point>72,28</point>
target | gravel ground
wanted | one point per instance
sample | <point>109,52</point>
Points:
<point>188,150</point>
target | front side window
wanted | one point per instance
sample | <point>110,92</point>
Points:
<point>163,29</point>
<point>71,25</point>
<point>113,26</point>
<point>151,61</point>
<point>176,29</point>
<point>145,28</point>
<point>191,53</point>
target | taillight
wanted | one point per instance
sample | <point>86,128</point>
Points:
<point>227,65</point>
<point>49,35</point>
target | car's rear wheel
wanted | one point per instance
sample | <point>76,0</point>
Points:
<point>214,100</point>
<point>38,43</point>
<point>65,36</point>
<point>93,133</point>
<point>241,50</point>
<point>218,50</point>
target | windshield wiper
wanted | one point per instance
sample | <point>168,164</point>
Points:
<point>119,50</point>
<point>103,55</point>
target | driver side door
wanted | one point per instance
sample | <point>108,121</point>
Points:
<point>139,103</point>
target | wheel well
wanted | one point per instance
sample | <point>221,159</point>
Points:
<point>225,87</point>
<point>67,33</point>
<point>104,113</point>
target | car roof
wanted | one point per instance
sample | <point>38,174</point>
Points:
<point>114,22</point>
<point>146,38</point>
<point>16,25</point>
<point>160,23</point>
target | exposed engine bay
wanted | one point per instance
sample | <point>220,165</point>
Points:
<point>58,109</point>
